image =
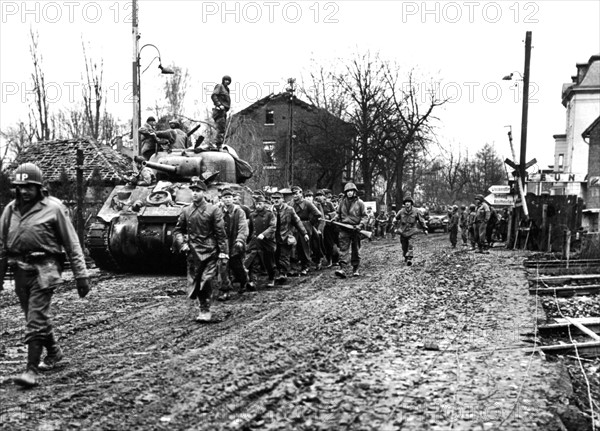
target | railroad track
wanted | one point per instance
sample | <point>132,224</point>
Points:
<point>566,279</point>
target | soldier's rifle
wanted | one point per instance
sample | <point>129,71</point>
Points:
<point>365,233</point>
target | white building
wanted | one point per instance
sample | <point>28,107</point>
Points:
<point>581,98</point>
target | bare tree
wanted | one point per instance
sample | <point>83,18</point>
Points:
<point>486,169</point>
<point>176,89</point>
<point>40,110</point>
<point>17,138</point>
<point>92,94</point>
<point>362,82</point>
<point>454,175</point>
<point>409,124</point>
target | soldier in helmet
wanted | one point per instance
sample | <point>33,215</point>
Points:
<point>351,211</point>
<point>145,176</point>
<point>202,224</point>
<point>453,225</point>
<point>410,222</point>
<point>482,217</point>
<point>35,230</point>
<point>180,140</point>
<point>222,102</point>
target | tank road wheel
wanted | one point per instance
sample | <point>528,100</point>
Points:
<point>96,241</point>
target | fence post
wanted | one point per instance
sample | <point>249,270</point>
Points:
<point>567,245</point>
<point>79,214</point>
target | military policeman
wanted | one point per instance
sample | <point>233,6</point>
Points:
<point>34,231</point>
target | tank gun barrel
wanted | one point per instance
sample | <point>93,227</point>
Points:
<point>161,167</point>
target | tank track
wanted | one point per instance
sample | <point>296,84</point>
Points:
<point>96,242</point>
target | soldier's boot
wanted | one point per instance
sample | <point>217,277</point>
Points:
<point>30,377</point>
<point>54,354</point>
<point>355,272</point>
<point>340,273</point>
<point>205,315</point>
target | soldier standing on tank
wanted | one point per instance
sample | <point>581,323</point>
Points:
<point>261,244</point>
<point>148,138</point>
<point>202,224</point>
<point>350,211</point>
<point>222,102</point>
<point>180,138</point>
<point>34,231</point>
<point>410,222</point>
<point>286,219</point>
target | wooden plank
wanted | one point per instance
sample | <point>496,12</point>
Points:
<point>557,278</point>
<point>590,289</point>
<point>557,270</point>
<point>583,329</point>
<point>591,348</point>
<point>582,320</point>
<point>561,263</point>
<point>562,326</point>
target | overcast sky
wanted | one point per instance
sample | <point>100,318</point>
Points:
<point>467,46</point>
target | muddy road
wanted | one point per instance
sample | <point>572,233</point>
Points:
<point>439,345</point>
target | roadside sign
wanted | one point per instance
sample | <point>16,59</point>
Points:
<point>501,200</point>
<point>500,190</point>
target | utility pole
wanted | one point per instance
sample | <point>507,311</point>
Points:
<point>522,167</point>
<point>135,120</point>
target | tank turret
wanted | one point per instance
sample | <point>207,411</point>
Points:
<point>133,230</point>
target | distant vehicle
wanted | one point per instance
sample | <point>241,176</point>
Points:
<point>437,221</point>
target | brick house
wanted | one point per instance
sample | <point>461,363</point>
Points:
<point>264,132</point>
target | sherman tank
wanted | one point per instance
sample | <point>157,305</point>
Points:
<point>133,231</point>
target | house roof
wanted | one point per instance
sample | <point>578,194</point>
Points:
<point>284,97</point>
<point>589,81</point>
<point>591,127</point>
<point>52,157</point>
<point>275,98</point>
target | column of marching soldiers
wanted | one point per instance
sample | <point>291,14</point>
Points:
<point>275,238</point>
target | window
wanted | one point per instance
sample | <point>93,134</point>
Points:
<point>269,149</point>
<point>561,161</point>
<point>269,116</point>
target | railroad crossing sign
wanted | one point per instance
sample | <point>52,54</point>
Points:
<point>515,166</point>
<point>500,189</point>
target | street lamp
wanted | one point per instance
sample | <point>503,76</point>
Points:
<point>509,77</point>
<point>136,120</point>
